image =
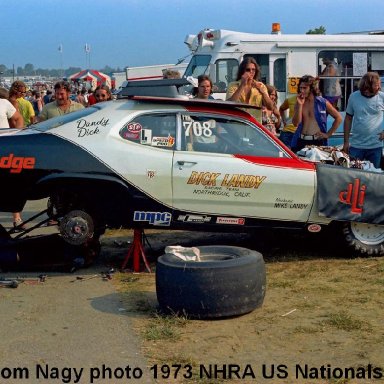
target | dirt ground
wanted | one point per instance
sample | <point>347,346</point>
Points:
<point>321,320</point>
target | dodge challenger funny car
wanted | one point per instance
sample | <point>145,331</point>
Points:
<point>157,162</point>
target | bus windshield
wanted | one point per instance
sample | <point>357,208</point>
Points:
<point>198,65</point>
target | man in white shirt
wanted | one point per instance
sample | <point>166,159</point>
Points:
<point>10,117</point>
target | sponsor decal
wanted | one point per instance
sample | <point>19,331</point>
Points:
<point>16,163</point>
<point>349,194</point>
<point>163,141</point>
<point>354,196</point>
<point>228,180</point>
<point>90,128</point>
<point>131,136</point>
<point>194,218</point>
<point>314,228</point>
<point>154,218</point>
<point>230,220</point>
<point>151,174</point>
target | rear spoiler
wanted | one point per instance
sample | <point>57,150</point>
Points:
<point>156,88</point>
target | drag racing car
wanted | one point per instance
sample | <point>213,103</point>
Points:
<point>145,161</point>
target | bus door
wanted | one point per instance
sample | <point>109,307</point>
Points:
<point>273,71</point>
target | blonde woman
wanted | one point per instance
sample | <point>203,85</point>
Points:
<point>271,118</point>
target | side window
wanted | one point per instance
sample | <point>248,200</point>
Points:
<point>225,72</point>
<point>220,135</point>
<point>155,130</point>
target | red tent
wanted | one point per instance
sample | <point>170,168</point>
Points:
<point>93,76</point>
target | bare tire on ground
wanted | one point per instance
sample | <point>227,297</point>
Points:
<point>228,281</point>
<point>366,239</point>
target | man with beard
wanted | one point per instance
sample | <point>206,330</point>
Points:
<point>62,104</point>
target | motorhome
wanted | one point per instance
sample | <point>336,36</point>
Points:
<point>284,58</point>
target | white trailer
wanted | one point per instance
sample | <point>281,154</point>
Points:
<point>284,58</point>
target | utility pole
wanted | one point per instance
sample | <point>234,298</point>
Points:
<point>61,59</point>
<point>87,49</point>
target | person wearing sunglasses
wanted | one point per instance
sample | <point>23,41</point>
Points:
<point>248,89</point>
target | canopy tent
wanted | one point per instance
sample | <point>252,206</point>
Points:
<point>92,76</point>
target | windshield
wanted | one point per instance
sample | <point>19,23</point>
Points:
<point>198,65</point>
<point>63,119</point>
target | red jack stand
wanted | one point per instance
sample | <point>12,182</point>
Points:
<point>136,250</point>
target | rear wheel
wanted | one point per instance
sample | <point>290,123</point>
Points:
<point>364,238</point>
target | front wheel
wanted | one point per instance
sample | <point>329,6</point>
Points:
<point>76,227</point>
<point>366,239</point>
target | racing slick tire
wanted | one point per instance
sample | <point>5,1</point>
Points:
<point>363,238</point>
<point>76,227</point>
<point>227,281</point>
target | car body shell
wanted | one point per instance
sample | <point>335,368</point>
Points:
<point>125,183</point>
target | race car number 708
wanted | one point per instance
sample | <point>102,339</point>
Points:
<point>199,129</point>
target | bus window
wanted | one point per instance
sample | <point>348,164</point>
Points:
<point>280,75</point>
<point>349,66</point>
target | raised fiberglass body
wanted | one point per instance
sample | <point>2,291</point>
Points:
<point>157,162</point>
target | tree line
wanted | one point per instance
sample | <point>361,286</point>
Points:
<point>30,70</point>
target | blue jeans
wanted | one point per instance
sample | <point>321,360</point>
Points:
<point>286,138</point>
<point>373,155</point>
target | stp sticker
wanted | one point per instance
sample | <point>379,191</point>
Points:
<point>314,228</point>
<point>134,127</point>
<point>231,220</point>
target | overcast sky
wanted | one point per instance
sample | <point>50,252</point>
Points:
<point>124,33</point>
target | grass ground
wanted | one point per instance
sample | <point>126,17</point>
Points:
<point>321,320</point>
